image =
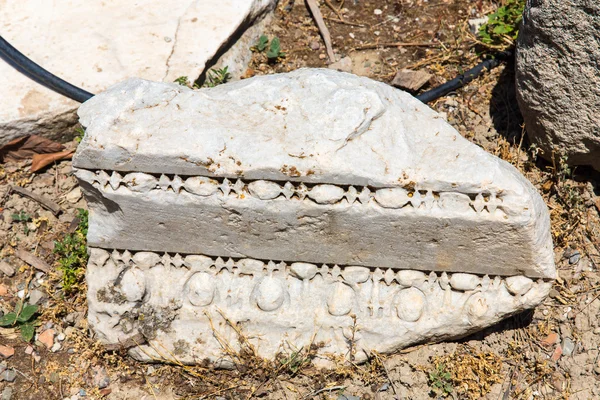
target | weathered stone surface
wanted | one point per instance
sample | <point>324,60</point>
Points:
<point>290,203</point>
<point>558,85</point>
<point>144,39</point>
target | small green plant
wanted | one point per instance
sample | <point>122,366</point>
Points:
<point>216,77</point>
<point>262,43</point>
<point>295,361</point>
<point>274,51</point>
<point>440,381</point>
<point>80,134</point>
<point>182,80</point>
<point>22,216</point>
<point>22,319</point>
<point>502,26</point>
<point>73,254</point>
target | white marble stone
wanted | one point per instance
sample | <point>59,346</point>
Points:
<point>96,43</point>
<point>299,206</point>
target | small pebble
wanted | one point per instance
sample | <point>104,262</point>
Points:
<point>315,45</point>
<point>7,269</point>
<point>9,375</point>
<point>35,296</point>
<point>377,11</point>
<point>100,378</point>
<point>167,39</point>
<point>29,350</point>
<point>7,393</point>
<point>574,259</point>
<point>47,338</point>
<point>56,347</point>
<point>550,340</point>
<point>322,56</point>
<point>61,336</point>
<point>568,346</point>
<point>6,351</point>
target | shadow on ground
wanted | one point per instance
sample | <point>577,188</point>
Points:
<point>504,108</point>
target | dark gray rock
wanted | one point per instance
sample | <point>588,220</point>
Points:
<point>558,79</point>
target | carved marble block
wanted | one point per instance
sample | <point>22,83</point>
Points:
<point>314,207</point>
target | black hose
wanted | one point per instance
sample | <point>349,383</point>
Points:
<point>463,79</point>
<point>24,65</point>
<point>33,71</point>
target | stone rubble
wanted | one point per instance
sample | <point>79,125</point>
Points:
<point>47,338</point>
<point>324,208</point>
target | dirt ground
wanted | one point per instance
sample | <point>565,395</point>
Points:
<point>551,352</point>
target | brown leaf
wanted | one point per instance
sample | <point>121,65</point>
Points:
<point>43,160</point>
<point>25,147</point>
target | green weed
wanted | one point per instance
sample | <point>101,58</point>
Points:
<point>502,27</point>
<point>80,134</point>
<point>22,216</point>
<point>262,43</point>
<point>22,319</point>
<point>216,77</point>
<point>182,80</point>
<point>73,254</point>
<point>295,361</point>
<point>274,52</point>
<point>440,381</point>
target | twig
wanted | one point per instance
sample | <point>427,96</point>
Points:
<point>150,386</point>
<point>46,203</point>
<point>327,389</point>
<point>32,260</point>
<point>395,44</point>
<point>316,12</point>
<point>341,21</point>
<point>23,375</point>
<point>335,10</point>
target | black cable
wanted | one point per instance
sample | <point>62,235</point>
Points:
<point>24,65</point>
<point>33,71</point>
<point>463,79</point>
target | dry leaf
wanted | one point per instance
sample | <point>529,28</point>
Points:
<point>25,147</point>
<point>43,160</point>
